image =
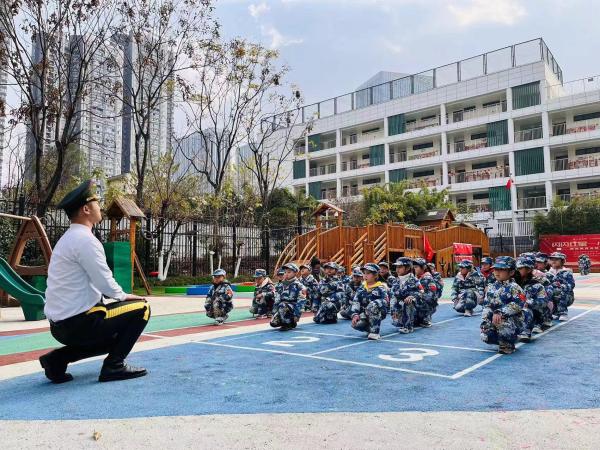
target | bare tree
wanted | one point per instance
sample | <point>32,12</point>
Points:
<point>50,50</point>
<point>16,166</point>
<point>160,41</point>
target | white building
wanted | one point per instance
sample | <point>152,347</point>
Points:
<point>466,126</point>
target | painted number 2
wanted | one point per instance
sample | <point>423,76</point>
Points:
<point>410,355</point>
<point>293,341</point>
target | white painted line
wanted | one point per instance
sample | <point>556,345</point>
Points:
<point>468,370</point>
<point>323,358</point>
<point>443,346</point>
<point>364,341</point>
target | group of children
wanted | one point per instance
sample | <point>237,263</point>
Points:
<point>518,297</point>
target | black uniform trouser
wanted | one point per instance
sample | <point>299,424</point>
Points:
<point>112,329</point>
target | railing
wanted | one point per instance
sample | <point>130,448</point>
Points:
<point>357,256</point>
<point>399,156</point>
<point>569,197</point>
<point>479,174</point>
<point>463,146</point>
<point>350,139</point>
<point>425,181</point>
<point>531,202</point>
<point>462,115</point>
<point>581,126</point>
<point>477,66</point>
<point>581,86</point>
<point>329,195</point>
<point>581,162</point>
<point>350,191</point>
<point>353,165</point>
<point>322,170</point>
<point>422,124</point>
<point>529,134</point>
<point>429,154</point>
<point>299,151</point>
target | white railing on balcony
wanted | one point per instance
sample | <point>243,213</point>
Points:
<point>350,139</point>
<point>581,86</point>
<point>569,197</point>
<point>460,116</point>
<point>350,191</point>
<point>581,126</point>
<point>472,208</point>
<point>424,181</point>
<point>581,162</point>
<point>529,134</point>
<point>463,146</point>
<point>431,152</point>
<point>421,124</point>
<point>531,202</point>
<point>479,174</point>
<point>399,156</point>
<point>353,165</point>
<point>322,170</point>
<point>330,194</point>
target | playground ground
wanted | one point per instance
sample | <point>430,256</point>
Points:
<point>244,385</point>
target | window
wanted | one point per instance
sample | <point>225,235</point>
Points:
<point>371,181</point>
<point>366,156</point>
<point>490,104</point>
<point>530,161</point>
<point>423,173</point>
<point>299,169</point>
<point>422,146</point>
<point>428,117</point>
<point>478,136</point>
<point>481,196</point>
<point>371,130</point>
<point>592,185</point>
<point>485,165</point>
<point>588,116</point>
<point>586,151</point>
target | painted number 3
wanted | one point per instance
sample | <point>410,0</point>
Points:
<point>410,355</point>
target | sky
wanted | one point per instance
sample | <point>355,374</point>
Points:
<point>332,46</point>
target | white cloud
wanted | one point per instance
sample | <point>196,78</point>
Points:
<point>477,12</point>
<point>392,46</point>
<point>258,10</point>
<point>278,40</point>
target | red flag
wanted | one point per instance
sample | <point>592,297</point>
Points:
<point>428,248</point>
<point>508,184</point>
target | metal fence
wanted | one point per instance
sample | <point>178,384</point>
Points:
<point>193,241</point>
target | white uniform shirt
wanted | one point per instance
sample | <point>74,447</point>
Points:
<point>78,275</point>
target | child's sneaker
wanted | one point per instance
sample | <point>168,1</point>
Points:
<point>468,313</point>
<point>373,336</point>
<point>537,329</point>
<point>506,349</point>
<point>547,324</point>
<point>524,337</point>
<point>563,318</point>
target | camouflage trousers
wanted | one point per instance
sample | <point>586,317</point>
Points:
<point>562,302</point>
<point>540,314</point>
<point>404,314</point>
<point>345,311</point>
<point>216,309</point>
<point>261,307</point>
<point>466,300</point>
<point>284,314</point>
<point>505,333</point>
<point>327,312</point>
<point>370,319</point>
<point>425,310</point>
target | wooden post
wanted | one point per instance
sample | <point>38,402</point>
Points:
<point>348,254</point>
<point>367,252</point>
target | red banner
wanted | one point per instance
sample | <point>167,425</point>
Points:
<point>462,252</point>
<point>572,245</point>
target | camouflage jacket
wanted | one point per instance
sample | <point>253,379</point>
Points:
<point>505,297</point>
<point>562,281</point>
<point>292,291</point>
<point>311,285</point>
<point>473,281</point>
<point>221,292</point>
<point>265,292</point>
<point>404,287</point>
<point>377,293</point>
<point>535,292</point>
<point>430,288</point>
<point>331,288</point>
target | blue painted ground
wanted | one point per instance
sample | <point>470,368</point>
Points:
<point>560,370</point>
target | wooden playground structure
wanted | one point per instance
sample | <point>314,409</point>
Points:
<point>355,246</point>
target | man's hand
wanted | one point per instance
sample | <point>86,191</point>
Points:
<point>355,319</point>
<point>135,297</point>
<point>408,300</point>
<point>497,318</point>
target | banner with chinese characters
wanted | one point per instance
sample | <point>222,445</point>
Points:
<point>572,245</point>
<point>462,252</point>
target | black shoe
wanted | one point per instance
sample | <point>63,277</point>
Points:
<point>54,372</point>
<point>121,372</point>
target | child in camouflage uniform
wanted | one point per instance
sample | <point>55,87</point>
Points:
<point>428,306</point>
<point>385,275</point>
<point>486,271</point>
<point>331,291</point>
<point>288,301</point>
<point>350,291</point>
<point>537,314</point>
<point>563,284</point>
<point>219,298</point>
<point>369,306</point>
<point>311,285</point>
<point>437,277</point>
<point>264,295</point>
<point>467,289</point>
<point>502,317</point>
<point>585,264</point>
<point>406,296</point>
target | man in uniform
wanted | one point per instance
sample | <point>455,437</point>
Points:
<point>264,295</point>
<point>467,289</point>
<point>369,306</point>
<point>331,292</point>
<point>218,301</point>
<point>78,278</point>
<point>406,296</point>
<point>289,300</point>
<point>502,317</point>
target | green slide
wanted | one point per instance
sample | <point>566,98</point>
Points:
<point>32,300</point>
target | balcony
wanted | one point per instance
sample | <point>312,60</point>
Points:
<point>430,153</point>
<point>529,135</point>
<point>462,115</point>
<point>322,170</point>
<point>479,174</point>
<point>531,202</point>
<point>300,150</point>
<point>568,197</point>
<point>581,162</point>
<point>350,191</point>
<point>463,146</point>
<point>367,139</point>
<point>433,181</point>
<point>473,208</point>
<point>399,156</point>
<point>422,124</point>
<point>582,126</point>
<point>354,164</point>
<point>329,194</point>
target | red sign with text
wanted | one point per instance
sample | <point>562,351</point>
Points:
<point>572,245</point>
<point>462,252</point>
